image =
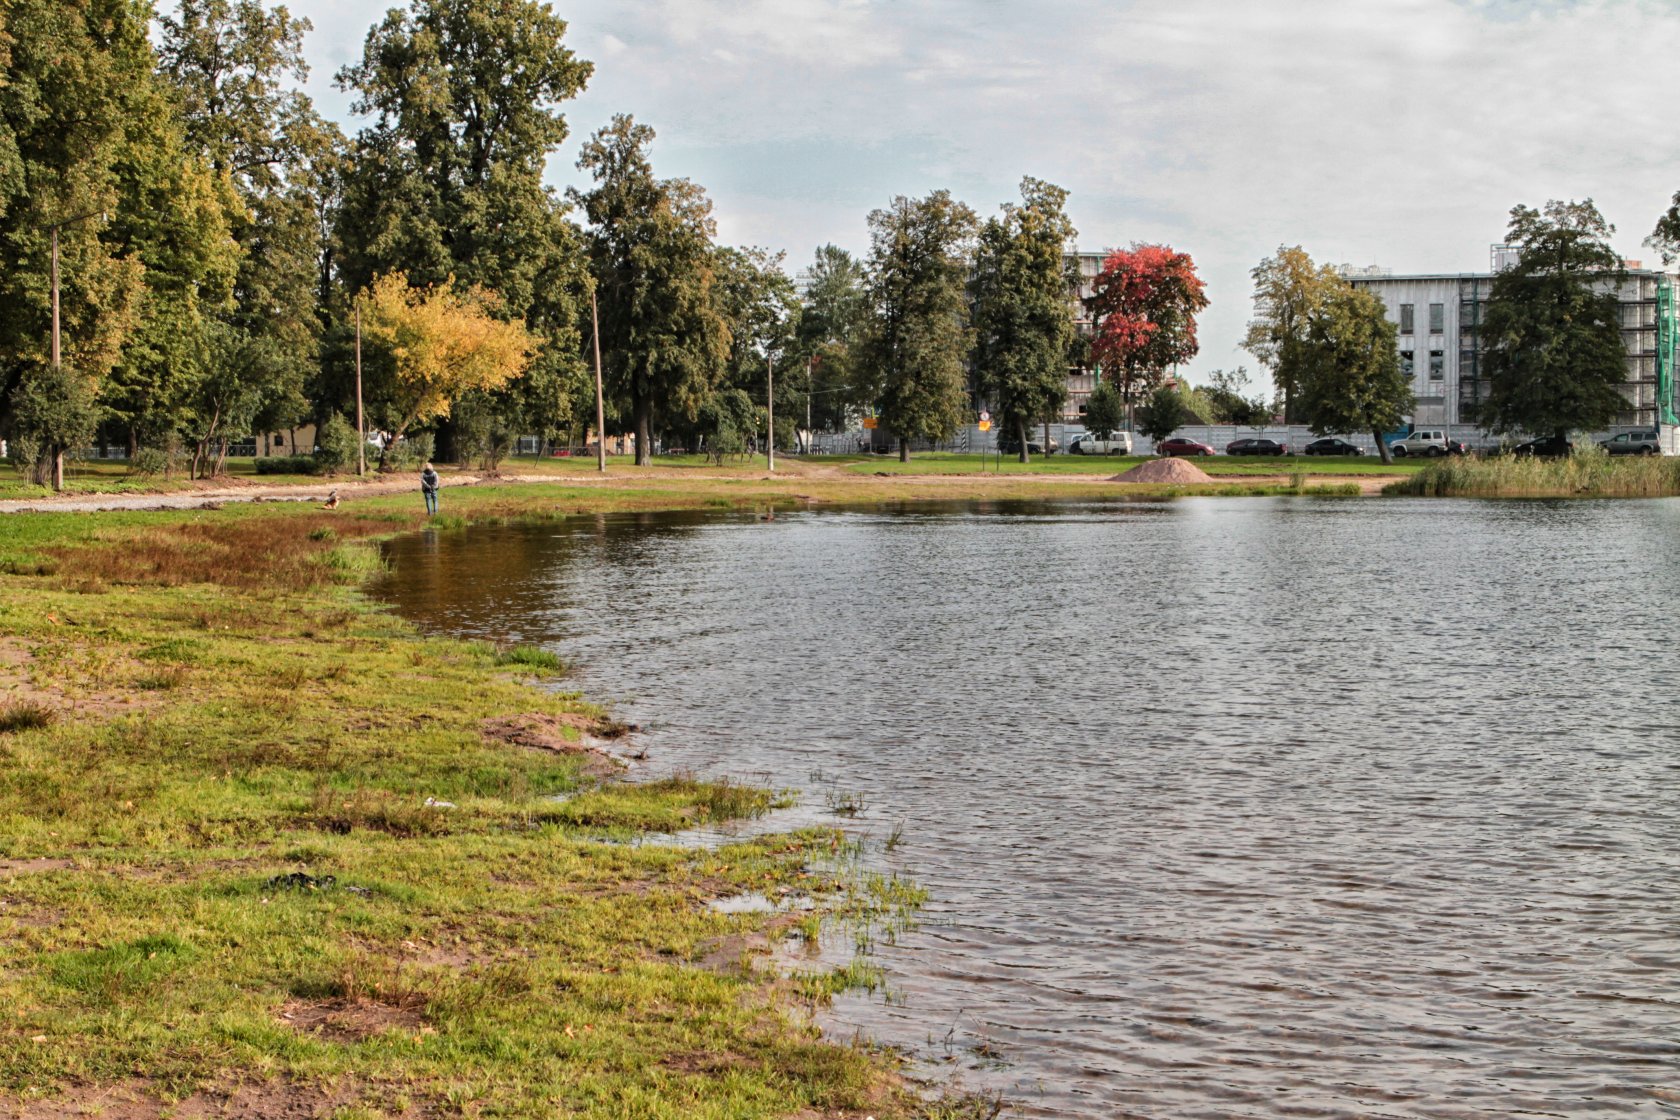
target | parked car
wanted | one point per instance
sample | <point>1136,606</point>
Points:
<point>1644,441</point>
<point>1330,445</point>
<point>1256,447</point>
<point>1010,445</point>
<point>1425,441</point>
<point>1546,447</point>
<point>1178,445</point>
<point>1119,443</point>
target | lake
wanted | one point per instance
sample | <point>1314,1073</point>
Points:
<point>1228,807</point>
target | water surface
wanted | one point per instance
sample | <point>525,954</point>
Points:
<point>1229,808</point>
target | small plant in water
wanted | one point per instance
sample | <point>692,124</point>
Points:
<point>531,657</point>
<point>845,804</point>
<point>894,838</point>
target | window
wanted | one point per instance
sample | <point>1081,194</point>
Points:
<point>1437,365</point>
<point>1407,318</point>
<point>1407,366</point>
<point>1437,318</point>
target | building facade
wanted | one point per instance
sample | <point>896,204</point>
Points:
<point>1081,377</point>
<point>1439,318</point>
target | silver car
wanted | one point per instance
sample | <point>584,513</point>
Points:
<point>1642,441</point>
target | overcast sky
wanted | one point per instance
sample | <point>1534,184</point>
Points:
<point>1397,133</point>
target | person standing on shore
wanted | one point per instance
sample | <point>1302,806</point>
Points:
<point>429,487</point>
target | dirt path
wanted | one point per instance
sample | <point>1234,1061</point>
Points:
<point>219,493</point>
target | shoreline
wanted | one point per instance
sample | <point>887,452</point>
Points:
<point>302,856</point>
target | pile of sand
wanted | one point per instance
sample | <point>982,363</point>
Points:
<point>1172,471</point>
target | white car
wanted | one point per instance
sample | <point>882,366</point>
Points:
<point>1424,441</point>
<point>1119,443</point>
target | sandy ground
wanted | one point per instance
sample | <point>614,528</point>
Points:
<point>218,493</point>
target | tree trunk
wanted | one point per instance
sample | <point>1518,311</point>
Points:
<point>1022,455</point>
<point>1382,447</point>
<point>1047,439</point>
<point>903,449</point>
<point>644,429</point>
<point>133,441</point>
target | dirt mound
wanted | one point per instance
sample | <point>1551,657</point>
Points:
<point>1175,471</point>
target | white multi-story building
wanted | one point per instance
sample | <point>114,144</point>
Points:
<point>1440,315</point>
<point>1082,379</point>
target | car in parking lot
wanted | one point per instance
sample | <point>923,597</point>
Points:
<point>1178,445</point>
<point>1330,445</point>
<point>1256,447</point>
<point>1546,447</point>
<point>1432,442</point>
<point>1643,441</point>
<point>1010,445</point>
<point>1118,443</point>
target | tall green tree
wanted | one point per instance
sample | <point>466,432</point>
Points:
<point>1163,414</point>
<point>918,333</point>
<point>1289,291</point>
<point>235,67</point>
<point>85,134</point>
<point>1552,330</point>
<point>446,183</point>
<point>832,318</point>
<point>1230,401</point>
<point>1350,378</point>
<point>761,307</point>
<point>1020,292</point>
<point>665,338</point>
<point>1105,412</point>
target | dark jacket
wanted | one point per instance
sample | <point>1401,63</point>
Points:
<point>428,480</point>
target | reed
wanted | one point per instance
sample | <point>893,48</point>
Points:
<point>1588,473</point>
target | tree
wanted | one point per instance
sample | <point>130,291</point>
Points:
<point>1145,304</point>
<point>440,343</point>
<point>918,333</point>
<point>832,319</point>
<point>761,308</point>
<point>1289,290</point>
<point>1351,378</point>
<point>1227,397</point>
<point>1163,415</point>
<point>1665,238</point>
<point>1555,358</point>
<point>664,337</point>
<point>1020,308</point>
<point>447,181</point>
<point>1105,412</point>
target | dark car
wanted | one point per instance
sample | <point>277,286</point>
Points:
<point>1546,447</point>
<point>1178,445</point>
<point>1256,447</point>
<point>1009,445</point>
<point>1332,446</point>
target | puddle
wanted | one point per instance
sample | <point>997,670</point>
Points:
<point>755,902</point>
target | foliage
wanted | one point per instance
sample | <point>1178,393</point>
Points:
<point>1105,412</point>
<point>1229,403</point>
<point>726,420</point>
<point>918,334</point>
<point>1289,290</point>
<point>337,444</point>
<point>1587,473</point>
<point>289,464</point>
<point>441,343</point>
<point>1351,378</point>
<point>761,308</point>
<point>1665,238</point>
<point>1022,328</point>
<point>832,319</point>
<point>665,339</point>
<point>1552,327</point>
<point>1145,305</point>
<point>55,409</point>
<point>1164,413</point>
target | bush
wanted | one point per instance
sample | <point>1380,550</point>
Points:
<point>288,464</point>
<point>336,445</point>
<point>148,462</point>
<point>409,453</point>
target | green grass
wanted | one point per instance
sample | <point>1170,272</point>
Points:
<point>1588,473</point>
<point>231,716</point>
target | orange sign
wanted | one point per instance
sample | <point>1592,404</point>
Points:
<point>869,421</point>
<point>985,425</point>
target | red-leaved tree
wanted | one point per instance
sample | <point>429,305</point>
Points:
<point>1144,307</point>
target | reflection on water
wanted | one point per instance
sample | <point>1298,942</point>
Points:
<point>1229,808</point>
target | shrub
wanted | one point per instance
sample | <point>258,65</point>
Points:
<point>288,464</point>
<point>336,450</point>
<point>409,452</point>
<point>148,462</point>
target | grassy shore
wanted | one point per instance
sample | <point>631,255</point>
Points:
<point>266,847</point>
<point>1588,474</point>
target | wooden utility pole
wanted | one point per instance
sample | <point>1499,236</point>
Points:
<point>808,387</point>
<point>770,401</point>
<point>600,395</point>
<point>361,428</point>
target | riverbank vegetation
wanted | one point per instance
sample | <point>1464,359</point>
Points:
<point>266,846</point>
<point>1589,473</point>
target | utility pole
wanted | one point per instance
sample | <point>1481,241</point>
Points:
<point>361,428</point>
<point>770,400</point>
<point>808,387</point>
<point>600,396</point>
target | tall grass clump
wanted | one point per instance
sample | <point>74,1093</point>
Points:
<point>1587,473</point>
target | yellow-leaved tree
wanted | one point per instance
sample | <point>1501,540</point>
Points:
<point>441,343</point>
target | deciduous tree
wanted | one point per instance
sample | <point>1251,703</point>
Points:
<point>1020,294</point>
<point>1289,290</point>
<point>1164,413</point>
<point>1105,412</point>
<point>664,336</point>
<point>1145,307</point>
<point>918,332</point>
<point>1555,358</point>
<point>832,320</point>
<point>440,343</point>
<point>1350,378</point>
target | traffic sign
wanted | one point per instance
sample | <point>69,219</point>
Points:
<point>984,416</point>
<point>985,425</point>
